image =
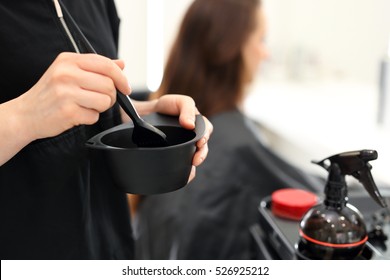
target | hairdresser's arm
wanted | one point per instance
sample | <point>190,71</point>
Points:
<point>73,91</point>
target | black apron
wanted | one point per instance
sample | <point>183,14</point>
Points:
<point>58,200</point>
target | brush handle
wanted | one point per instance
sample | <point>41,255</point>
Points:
<point>123,100</point>
<point>126,104</point>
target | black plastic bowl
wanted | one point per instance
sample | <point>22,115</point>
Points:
<point>150,170</point>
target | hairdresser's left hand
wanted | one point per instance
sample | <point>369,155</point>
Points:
<point>184,106</point>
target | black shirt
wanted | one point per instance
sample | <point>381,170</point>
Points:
<point>57,199</point>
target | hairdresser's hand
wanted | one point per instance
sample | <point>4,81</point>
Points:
<point>184,106</point>
<point>73,91</point>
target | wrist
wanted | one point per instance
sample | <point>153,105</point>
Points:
<point>13,134</point>
<point>19,123</point>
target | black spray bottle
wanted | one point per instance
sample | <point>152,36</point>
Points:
<point>335,229</point>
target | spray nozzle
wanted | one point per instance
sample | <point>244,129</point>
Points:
<point>356,164</point>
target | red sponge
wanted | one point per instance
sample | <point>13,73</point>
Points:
<point>292,203</point>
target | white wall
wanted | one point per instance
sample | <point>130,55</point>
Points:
<point>335,38</point>
<point>308,39</point>
<point>133,46</point>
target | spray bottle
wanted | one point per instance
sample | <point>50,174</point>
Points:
<point>335,229</point>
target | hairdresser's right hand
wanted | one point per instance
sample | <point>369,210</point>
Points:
<point>73,91</point>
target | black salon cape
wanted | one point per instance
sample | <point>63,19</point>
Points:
<point>211,217</point>
<point>57,200</point>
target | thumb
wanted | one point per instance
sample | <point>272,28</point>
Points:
<point>120,63</point>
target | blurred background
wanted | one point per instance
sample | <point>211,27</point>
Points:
<point>319,92</point>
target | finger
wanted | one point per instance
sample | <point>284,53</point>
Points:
<point>192,174</point>
<point>120,63</point>
<point>105,66</point>
<point>97,83</point>
<point>188,113</point>
<point>209,130</point>
<point>94,100</point>
<point>182,105</point>
<point>86,116</point>
<point>200,155</point>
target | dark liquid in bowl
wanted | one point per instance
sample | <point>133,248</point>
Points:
<point>122,138</point>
